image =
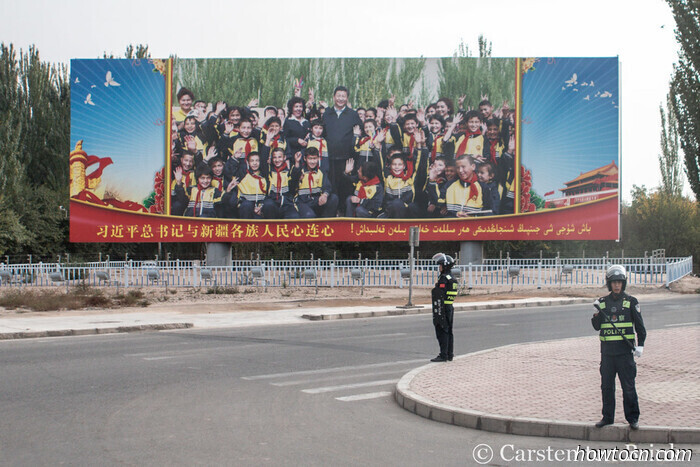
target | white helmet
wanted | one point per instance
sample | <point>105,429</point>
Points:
<point>446,261</point>
<point>616,273</point>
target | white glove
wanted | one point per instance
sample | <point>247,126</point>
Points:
<point>637,352</point>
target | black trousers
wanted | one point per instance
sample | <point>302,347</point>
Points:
<point>626,369</point>
<point>444,336</point>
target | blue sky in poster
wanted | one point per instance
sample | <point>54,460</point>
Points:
<point>126,122</point>
<point>570,119</point>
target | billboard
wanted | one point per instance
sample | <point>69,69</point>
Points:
<point>339,149</point>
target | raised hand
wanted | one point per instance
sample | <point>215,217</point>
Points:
<point>253,102</point>
<point>191,143</point>
<point>232,185</point>
<point>356,130</point>
<point>228,127</point>
<point>220,107</point>
<point>460,101</point>
<point>178,174</point>
<point>349,165</point>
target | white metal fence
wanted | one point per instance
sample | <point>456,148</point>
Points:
<point>555,272</point>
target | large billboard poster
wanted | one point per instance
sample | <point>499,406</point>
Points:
<point>341,149</point>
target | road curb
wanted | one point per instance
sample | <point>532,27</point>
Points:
<point>91,331</point>
<point>433,410</point>
<point>427,310</point>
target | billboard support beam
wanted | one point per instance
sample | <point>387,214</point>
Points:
<point>471,252</point>
<point>219,254</point>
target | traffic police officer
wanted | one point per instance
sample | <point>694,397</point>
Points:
<point>444,295</point>
<point>617,318</point>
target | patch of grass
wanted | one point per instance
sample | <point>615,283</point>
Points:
<point>219,290</point>
<point>51,300</point>
<point>132,298</point>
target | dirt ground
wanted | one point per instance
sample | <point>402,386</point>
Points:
<point>247,298</point>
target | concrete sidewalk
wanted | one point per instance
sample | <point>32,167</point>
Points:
<point>179,316</point>
<point>552,389</point>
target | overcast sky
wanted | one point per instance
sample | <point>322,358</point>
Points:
<point>640,33</point>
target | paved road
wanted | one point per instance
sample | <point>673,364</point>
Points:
<point>316,393</point>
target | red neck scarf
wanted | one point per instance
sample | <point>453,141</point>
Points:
<point>433,152</point>
<point>364,140</point>
<point>411,143</point>
<point>198,198</point>
<point>492,149</point>
<point>473,190</point>
<point>275,143</point>
<point>463,145</point>
<point>248,146</point>
<point>361,193</point>
<point>311,173</point>
<point>279,171</point>
<point>260,180</point>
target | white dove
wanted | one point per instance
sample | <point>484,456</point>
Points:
<point>77,80</point>
<point>110,81</point>
<point>584,84</point>
<point>575,89</point>
<point>88,100</point>
<point>605,94</point>
<point>591,83</point>
<point>572,81</point>
<point>93,86</point>
<point>587,98</point>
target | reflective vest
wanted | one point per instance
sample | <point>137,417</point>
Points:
<point>620,318</point>
<point>449,286</point>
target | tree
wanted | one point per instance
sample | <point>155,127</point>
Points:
<point>685,86</point>
<point>669,160</point>
<point>474,78</point>
<point>657,220</point>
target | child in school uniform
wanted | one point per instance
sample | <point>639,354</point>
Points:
<point>282,182</point>
<point>471,141</point>
<point>315,197</point>
<point>368,196</point>
<point>464,196</point>
<point>400,182</point>
<point>184,176</point>
<point>252,187</point>
<point>495,153</point>
<point>492,190</point>
<point>202,199</point>
<point>316,140</point>
<point>365,144</point>
<point>240,144</point>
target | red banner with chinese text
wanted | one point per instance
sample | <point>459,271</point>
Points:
<point>596,220</point>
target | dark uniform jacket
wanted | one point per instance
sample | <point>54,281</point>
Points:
<point>624,313</point>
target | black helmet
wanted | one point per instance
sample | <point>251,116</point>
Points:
<point>616,273</point>
<point>444,260</point>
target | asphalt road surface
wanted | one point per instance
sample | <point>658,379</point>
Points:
<point>317,393</point>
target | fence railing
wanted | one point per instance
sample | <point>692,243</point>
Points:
<point>557,272</point>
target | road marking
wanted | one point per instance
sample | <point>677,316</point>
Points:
<point>359,375</point>
<point>330,370</point>
<point>501,324</point>
<point>156,358</point>
<point>349,386</point>
<point>368,336</point>
<point>681,324</point>
<point>364,397</point>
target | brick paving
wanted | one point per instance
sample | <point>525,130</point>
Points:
<point>559,380</point>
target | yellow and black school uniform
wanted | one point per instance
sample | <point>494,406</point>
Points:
<point>312,184</point>
<point>364,147</point>
<point>322,145</point>
<point>495,153</point>
<point>469,143</point>
<point>371,194</point>
<point>201,202</point>
<point>400,191</point>
<point>282,188</point>
<point>464,196</point>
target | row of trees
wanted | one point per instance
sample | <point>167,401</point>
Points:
<point>35,138</point>
<point>368,80</point>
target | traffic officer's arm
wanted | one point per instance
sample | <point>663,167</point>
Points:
<point>638,323</point>
<point>596,320</point>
